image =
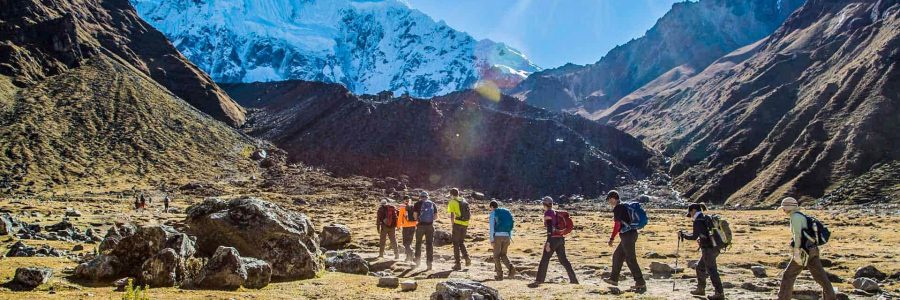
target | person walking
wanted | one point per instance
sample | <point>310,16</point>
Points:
<point>425,211</point>
<point>407,222</point>
<point>166,201</point>
<point>500,226</point>
<point>805,253</point>
<point>458,210</point>
<point>556,243</point>
<point>625,251</point>
<point>386,223</point>
<point>143,201</point>
<point>707,266</point>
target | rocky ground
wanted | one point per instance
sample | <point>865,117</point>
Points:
<point>860,238</point>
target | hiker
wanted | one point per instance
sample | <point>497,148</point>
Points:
<point>143,201</point>
<point>425,211</point>
<point>386,223</point>
<point>407,222</point>
<point>459,218</point>
<point>625,251</point>
<point>500,225</point>
<point>166,201</point>
<point>137,202</point>
<point>709,251</point>
<point>556,243</point>
<point>805,252</point>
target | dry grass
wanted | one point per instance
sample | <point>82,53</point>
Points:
<point>761,239</point>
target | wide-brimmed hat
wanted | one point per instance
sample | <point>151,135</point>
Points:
<point>789,203</point>
<point>547,200</point>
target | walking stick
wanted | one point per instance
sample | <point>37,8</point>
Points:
<point>677,249</point>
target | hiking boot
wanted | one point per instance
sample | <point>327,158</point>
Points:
<point>456,267</point>
<point>611,282</point>
<point>534,284</point>
<point>468,262</point>
<point>640,289</point>
<point>512,273</point>
<point>498,277</point>
<point>428,268</point>
<point>716,296</point>
<point>698,292</point>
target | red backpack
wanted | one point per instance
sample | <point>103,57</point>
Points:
<point>390,216</point>
<point>563,223</point>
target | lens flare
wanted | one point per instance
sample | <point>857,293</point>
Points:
<point>488,89</point>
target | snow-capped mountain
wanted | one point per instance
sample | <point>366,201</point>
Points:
<point>368,46</point>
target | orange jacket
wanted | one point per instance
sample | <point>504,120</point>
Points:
<point>402,222</point>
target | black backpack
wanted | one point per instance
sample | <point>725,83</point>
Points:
<point>464,213</point>
<point>814,229</point>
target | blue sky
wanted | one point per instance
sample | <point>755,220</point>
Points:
<point>551,32</point>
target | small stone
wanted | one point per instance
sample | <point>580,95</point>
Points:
<point>77,248</point>
<point>614,290</point>
<point>870,272</point>
<point>654,255</point>
<point>866,284</point>
<point>31,277</point>
<point>755,288</point>
<point>388,282</point>
<point>759,271</point>
<point>692,263</point>
<point>409,285</point>
<point>661,269</point>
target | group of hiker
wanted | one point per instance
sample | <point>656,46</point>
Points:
<point>711,232</point>
<point>141,199</point>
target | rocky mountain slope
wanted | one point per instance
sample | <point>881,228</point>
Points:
<point>367,46</point>
<point>505,148</point>
<point>799,113</point>
<point>689,37</point>
<point>90,95</point>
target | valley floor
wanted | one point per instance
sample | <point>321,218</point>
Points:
<point>761,239</point>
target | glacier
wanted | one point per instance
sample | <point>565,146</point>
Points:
<point>367,46</point>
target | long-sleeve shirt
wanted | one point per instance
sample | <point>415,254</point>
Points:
<point>549,218</point>
<point>620,216</point>
<point>700,231</point>
<point>798,224</point>
<point>492,220</point>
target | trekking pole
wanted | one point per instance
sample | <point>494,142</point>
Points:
<point>677,250</point>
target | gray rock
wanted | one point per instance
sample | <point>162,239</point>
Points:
<point>20,249</point>
<point>870,272</point>
<point>442,238</point>
<point>464,289</point>
<point>866,284</point>
<point>259,273</point>
<point>692,263</point>
<point>224,270</point>
<point>408,286</point>
<point>121,283</point>
<point>31,277</point>
<point>346,262</point>
<point>654,255</point>
<point>162,270</point>
<point>335,236</point>
<point>101,267</point>
<point>71,212</point>
<point>759,271</point>
<point>661,269</point>
<point>183,245</point>
<point>389,282</point>
<point>78,247</point>
<point>755,288</point>
<point>133,249</point>
<point>285,239</point>
<point>7,224</point>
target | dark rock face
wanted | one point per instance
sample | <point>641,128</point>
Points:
<point>795,114</point>
<point>346,262</point>
<point>464,289</point>
<point>870,272</point>
<point>259,273</point>
<point>54,35</point>
<point>145,243</point>
<point>31,277</point>
<point>335,236</point>
<point>504,147</point>
<point>99,268</point>
<point>691,36</point>
<point>161,269</point>
<point>224,270</point>
<point>283,238</point>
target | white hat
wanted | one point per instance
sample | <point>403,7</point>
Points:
<point>789,203</point>
<point>384,201</point>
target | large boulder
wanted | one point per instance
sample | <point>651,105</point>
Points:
<point>7,224</point>
<point>114,235</point>
<point>346,262</point>
<point>459,289</point>
<point>259,273</point>
<point>163,269</point>
<point>224,270</point>
<point>866,284</point>
<point>285,239</point>
<point>335,236</point>
<point>146,241</point>
<point>101,267</point>
<point>184,245</point>
<point>870,272</point>
<point>31,277</point>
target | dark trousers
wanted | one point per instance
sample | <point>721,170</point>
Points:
<point>625,253</point>
<point>458,237</point>
<point>425,232</point>
<point>408,234</point>
<point>557,245</point>
<point>501,245</point>
<point>814,265</point>
<point>387,232</point>
<point>707,267</point>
